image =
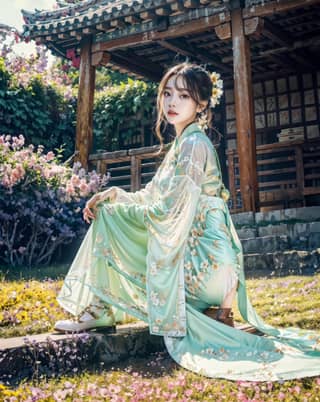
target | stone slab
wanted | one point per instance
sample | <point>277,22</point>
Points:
<point>247,233</point>
<point>243,219</point>
<point>56,354</point>
<point>303,214</point>
<point>266,244</point>
<point>273,230</point>
<point>282,263</point>
<point>314,241</point>
<point>48,355</point>
<point>308,214</point>
<point>271,217</point>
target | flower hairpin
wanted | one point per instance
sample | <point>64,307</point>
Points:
<point>216,89</point>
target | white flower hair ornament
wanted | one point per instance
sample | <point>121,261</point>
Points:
<point>217,91</point>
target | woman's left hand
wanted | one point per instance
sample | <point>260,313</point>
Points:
<point>90,210</point>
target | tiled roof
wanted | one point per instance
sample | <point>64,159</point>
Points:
<point>88,12</point>
<point>250,3</point>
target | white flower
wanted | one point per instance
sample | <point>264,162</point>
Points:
<point>188,265</point>
<point>217,85</point>
<point>153,269</point>
<point>154,298</point>
<point>204,264</point>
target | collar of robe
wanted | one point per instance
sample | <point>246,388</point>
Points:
<point>188,130</point>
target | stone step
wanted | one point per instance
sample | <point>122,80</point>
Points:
<point>289,215</point>
<point>266,244</point>
<point>293,230</point>
<point>269,244</point>
<point>281,263</point>
<point>48,355</point>
<point>57,354</point>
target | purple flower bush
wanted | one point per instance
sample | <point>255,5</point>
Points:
<point>40,202</point>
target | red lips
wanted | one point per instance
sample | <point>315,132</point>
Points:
<point>172,113</point>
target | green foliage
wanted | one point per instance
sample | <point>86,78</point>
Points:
<point>40,113</point>
<point>44,114</point>
<point>4,77</point>
<point>105,77</point>
<point>120,110</point>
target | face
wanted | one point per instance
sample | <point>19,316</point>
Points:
<point>178,106</point>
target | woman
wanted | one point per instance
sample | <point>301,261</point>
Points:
<point>167,253</point>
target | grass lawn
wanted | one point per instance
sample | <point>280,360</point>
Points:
<point>28,302</point>
<point>28,306</point>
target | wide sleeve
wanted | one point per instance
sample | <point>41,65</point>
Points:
<point>168,222</point>
<point>144,196</point>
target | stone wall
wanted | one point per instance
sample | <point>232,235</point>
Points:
<point>280,242</point>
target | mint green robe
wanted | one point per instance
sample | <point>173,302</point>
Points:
<point>169,251</point>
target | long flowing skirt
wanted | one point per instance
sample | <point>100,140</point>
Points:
<point>110,267</point>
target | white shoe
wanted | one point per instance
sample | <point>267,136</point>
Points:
<point>86,323</point>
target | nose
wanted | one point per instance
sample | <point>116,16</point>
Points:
<point>173,100</point>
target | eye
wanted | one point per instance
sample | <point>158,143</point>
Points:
<point>184,96</point>
<point>166,94</point>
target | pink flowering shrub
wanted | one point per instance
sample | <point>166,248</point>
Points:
<point>40,202</point>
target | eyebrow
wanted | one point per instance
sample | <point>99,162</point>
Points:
<point>178,89</point>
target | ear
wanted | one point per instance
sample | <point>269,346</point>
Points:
<point>202,106</point>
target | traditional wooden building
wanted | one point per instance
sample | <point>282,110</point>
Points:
<point>267,52</point>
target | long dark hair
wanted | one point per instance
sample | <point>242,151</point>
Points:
<point>198,83</point>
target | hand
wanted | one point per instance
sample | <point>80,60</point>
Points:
<point>90,210</point>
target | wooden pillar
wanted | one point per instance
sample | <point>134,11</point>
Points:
<point>246,138</point>
<point>85,104</point>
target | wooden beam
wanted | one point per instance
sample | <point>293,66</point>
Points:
<point>163,11</point>
<point>174,31</point>
<point>223,31</point>
<point>274,7</point>
<point>299,44</point>
<point>63,36</point>
<point>132,40</point>
<point>104,26</point>
<point>76,34</point>
<point>246,139</point>
<point>177,6</point>
<point>147,15</point>
<point>184,48</point>
<point>175,48</point>
<point>137,66</point>
<point>89,31</point>
<point>300,55</point>
<point>85,104</point>
<point>195,26</point>
<point>119,23</point>
<point>191,3</point>
<point>100,59</point>
<point>313,12</point>
<point>276,34</point>
<point>253,26</point>
<point>132,19</point>
<point>283,63</point>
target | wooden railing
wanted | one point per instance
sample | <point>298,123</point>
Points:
<point>287,172</point>
<point>130,169</point>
